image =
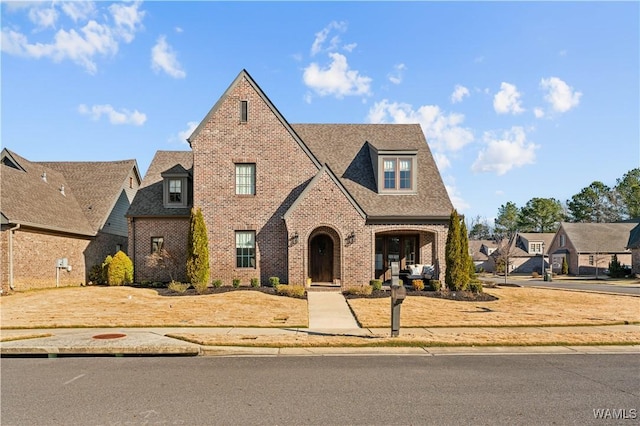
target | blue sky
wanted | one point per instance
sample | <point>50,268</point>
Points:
<point>517,100</point>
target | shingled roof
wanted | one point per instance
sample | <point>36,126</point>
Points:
<point>599,237</point>
<point>345,149</point>
<point>35,195</point>
<point>96,185</point>
<point>148,200</point>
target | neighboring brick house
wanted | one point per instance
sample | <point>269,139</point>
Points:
<point>634,245</point>
<point>61,210</point>
<point>335,203</point>
<point>589,247</point>
<point>527,252</point>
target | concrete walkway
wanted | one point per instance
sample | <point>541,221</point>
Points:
<point>328,310</point>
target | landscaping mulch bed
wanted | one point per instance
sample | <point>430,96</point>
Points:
<point>462,296</point>
<point>164,291</point>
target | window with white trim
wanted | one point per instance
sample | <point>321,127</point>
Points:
<point>245,249</point>
<point>245,179</point>
<point>175,191</point>
<point>156,244</point>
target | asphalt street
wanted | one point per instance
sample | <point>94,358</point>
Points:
<point>586,285</point>
<point>358,390</point>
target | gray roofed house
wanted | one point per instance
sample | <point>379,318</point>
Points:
<point>527,252</point>
<point>589,247</point>
<point>57,210</point>
<point>634,245</point>
<point>318,203</point>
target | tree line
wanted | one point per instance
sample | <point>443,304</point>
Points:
<point>596,203</point>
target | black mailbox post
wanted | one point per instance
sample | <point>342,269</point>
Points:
<point>398,294</point>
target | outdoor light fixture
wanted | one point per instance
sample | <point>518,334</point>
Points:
<point>351,238</point>
<point>293,239</point>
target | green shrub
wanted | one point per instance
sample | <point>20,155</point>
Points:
<point>359,290</point>
<point>120,270</point>
<point>178,287</point>
<point>435,285</point>
<point>535,274</point>
<point>96,274</point>
<point>198,250</point>
<point>105,269</point>
<point>201,288</point>
<point>475,287</point>
<point>418,285</point>
<point>616,270</point>
<point>255,282</point>
<point>376,285</point>
<point>565,266</point>
<point>290,290</point>
<point>216,283</point>
<point>236,282</point>
<point>274,281</point>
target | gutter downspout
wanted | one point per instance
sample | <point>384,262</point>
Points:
<point>11,230</point>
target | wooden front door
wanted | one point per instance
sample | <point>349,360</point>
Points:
<point>321,259</point>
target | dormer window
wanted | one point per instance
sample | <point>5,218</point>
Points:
<point>174,187</point>
<point>396,172</point>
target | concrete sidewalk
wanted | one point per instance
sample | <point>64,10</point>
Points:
<point>329,310</point>
<point>154,342</point>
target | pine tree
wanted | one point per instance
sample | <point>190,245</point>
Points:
<point>457,273</point>
<point>198,250</point>
<point>466,257</point>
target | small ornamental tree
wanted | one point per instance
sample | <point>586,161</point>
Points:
<point>120,270</point>
<point>198,250</point>
<point>457,274</point>
<point>565,266</point>
<point>615,268</point>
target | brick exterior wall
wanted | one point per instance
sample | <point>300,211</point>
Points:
<point>282,171</point>
<point>635,260</point>
<point>34,259</point>
<point>175,232</point>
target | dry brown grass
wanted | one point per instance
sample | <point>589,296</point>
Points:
<point>515,307</point>
<point>409,337</point>
<point>134,307</point>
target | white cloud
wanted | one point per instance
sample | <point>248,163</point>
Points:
<point>504,152</point>
<point>454,194</point>
<point>442,161</point>
<point>459,92</point>
<point>321,37</point>
<point>115,117</point>
<point>179,30</point>
<point>444,132</point>
<point>396,75</point>
<point>163,58</point>
<point>191,126</point>
<point>507,100</point>
<point>559,94</point>
<point>78,10</point>
<point>43,17</point>
<point>538,112</point>
<point>349,47</point>
<point>80,45</point>
<point>337,79</point>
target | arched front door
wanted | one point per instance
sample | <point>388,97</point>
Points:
<point>321,259</point>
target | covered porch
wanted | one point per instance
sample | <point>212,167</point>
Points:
<point>407,246</point>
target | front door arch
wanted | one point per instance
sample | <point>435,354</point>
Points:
<point>321,258</point>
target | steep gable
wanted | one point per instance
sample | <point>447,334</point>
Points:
<point>598,237</point>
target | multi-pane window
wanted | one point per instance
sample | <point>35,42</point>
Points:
<point>175,190</point>
<point>244,111</point>
<point>389,174</point>
<point>405,174</point>
<point>245,179</point>
<point>156,244</point>
<point>245,249</point>
<point>398,173</point>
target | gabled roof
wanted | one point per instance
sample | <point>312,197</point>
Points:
<point>149,200</point>
<point>314,181</point>
<point>517,247</point>
<point>475,249</point>
<point>31,194</point>
<point>97,185</point>
<point>242,76</point>
<point>598,237</point>
<point>634,238</point>
<point>346,149</point>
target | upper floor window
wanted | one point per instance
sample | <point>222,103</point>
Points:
<point>398,173</point>
<point>175,191</point>
<point>562,240</point>
<point>245,179</point>
<point>244,111</point>
<point>535,248</point>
